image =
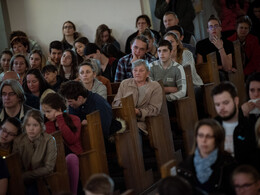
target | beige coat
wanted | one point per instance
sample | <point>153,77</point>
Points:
<point>150,105</point>
<point>38,157</point>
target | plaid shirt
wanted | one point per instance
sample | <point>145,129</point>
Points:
<point>124,66</point>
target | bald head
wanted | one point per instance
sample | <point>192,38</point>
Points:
<point>11,75</point>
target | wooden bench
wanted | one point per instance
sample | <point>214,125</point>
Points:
<point>115,87</point>
<point>15,182</point>
<point>169,168</point>
<point>238,78</point>
<point>58,181</point>
<point>210,76</point>
<point>129,150</point>
<point>186,112</point>
<point>93,159</point>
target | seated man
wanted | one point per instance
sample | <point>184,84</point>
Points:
<point>13,99</point>
<point>10,129</point>
<point>50,73</point>
<point>240,137</point>
<point>171,73</point>
<point>249,44</point>
<point>147,94</point>
<point>99,184</point>
<point>223,48</point>
<point>83,102</point>
<point>139,48</point>
<point>55,50</point>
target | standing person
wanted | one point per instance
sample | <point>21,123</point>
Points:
<point>69,35</point>
<point>53,106</point>
<point>142,22</point>
<point>223,48</point>
<point>5,58</point>
<point>68,65</point>
<point>183,9</point>
<point>103,36</point>
<point>36,59</point>
<point>139,49</point>
<point>37,150</point>
<point>228,12</point>
<point>240,137</point>
<point>55,53</point>
<point>249,44</point>
<point>79,46</point>
<point>20,65</point>
<point>87,75</point>
<point>209,168</point>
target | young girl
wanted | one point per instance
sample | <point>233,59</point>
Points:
<point>36,59</point>
<point>53,106</point>
<point>5,58</point>
<point>68,65</point>
<point>37,150</point>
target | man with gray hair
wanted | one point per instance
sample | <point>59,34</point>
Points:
<point>13,98</point>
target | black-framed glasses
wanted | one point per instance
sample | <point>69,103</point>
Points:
<point>8,133</point>
<point>246,185</point>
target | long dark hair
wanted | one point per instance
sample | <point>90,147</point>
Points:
<point>74,65</point>
<point>56,101</point>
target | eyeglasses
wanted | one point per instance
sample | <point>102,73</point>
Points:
<point>201,136</point>
<point>68,27</point>
<point>211,27</point>
<point>8,133</point>
<point>10,94</point>
<point>246,185</point>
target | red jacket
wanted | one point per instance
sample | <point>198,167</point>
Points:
<point>252,50</point>
<point>72,140</point>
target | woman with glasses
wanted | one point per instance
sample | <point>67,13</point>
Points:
<point>209,167</point>
<point>69,35</point>
<point>10,129</point>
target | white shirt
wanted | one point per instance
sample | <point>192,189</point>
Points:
<point>229,142</point>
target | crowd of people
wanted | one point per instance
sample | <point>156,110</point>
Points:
<point>43,94</point>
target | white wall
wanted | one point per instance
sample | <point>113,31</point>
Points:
<point>42,19</point>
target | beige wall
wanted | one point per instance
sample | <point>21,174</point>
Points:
<point>42,19</point>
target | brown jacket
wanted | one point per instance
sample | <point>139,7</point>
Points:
<point>150,105</point>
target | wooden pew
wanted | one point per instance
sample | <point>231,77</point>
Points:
<point>15,182</point>
<point>58,181</point>
<point>93,159</point>
<point>210,76</point>
<point>169,168</point>
<point>186,112</point>
<point>115,87</point>
<point>238,78</point>
<point>129,150</point>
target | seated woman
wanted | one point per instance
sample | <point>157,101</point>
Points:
<point>5,58</point>
<point>20,65</point>
<point>37,150</point>
<point>53,106</point>
<point>79,46</point>
<point>35,84</point>
<point>36,59</point>
<point>147,94</point>
<point>68,65</point>
<point>10,129</point>
<point>209,167</point>
<point>20,45</point>
<point>87,75</point>
<point>69,35</point>
<point>249,44</point>
<point>103,36</point>
<point>152,48</point>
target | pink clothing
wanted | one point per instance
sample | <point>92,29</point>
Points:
<point>252,51</point>
<point>72,162</point>
<point>228,16</point>
<point>72,140</point>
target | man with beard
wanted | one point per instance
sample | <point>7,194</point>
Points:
<point>240,138</point>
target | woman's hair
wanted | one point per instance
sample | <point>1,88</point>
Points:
<point>110,50</point>
<point>248,170</point>
<point>36,115</point>
<point>218,133</point>
<point>15,122</point>
<point>141,62</point>
<point>148,33</point>
<point>180,48</point>
<point>43,84</point>
<point>17,56</point>
<point>8,52</point>
<point>23,40</point>
<point>146,18</point>
<point>74,64</point>
<point>257,132</point>
<point>88,63</point>
<point>75,35</point>
<point>244,19</point>
<point>83,40</point>
<point>253,77</point>
<point>39,52</point>
<point>57,102</point>
<point>100,30</point>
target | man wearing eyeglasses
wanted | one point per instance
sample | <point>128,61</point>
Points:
<point>13,98</point>
<point>223,48</point>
